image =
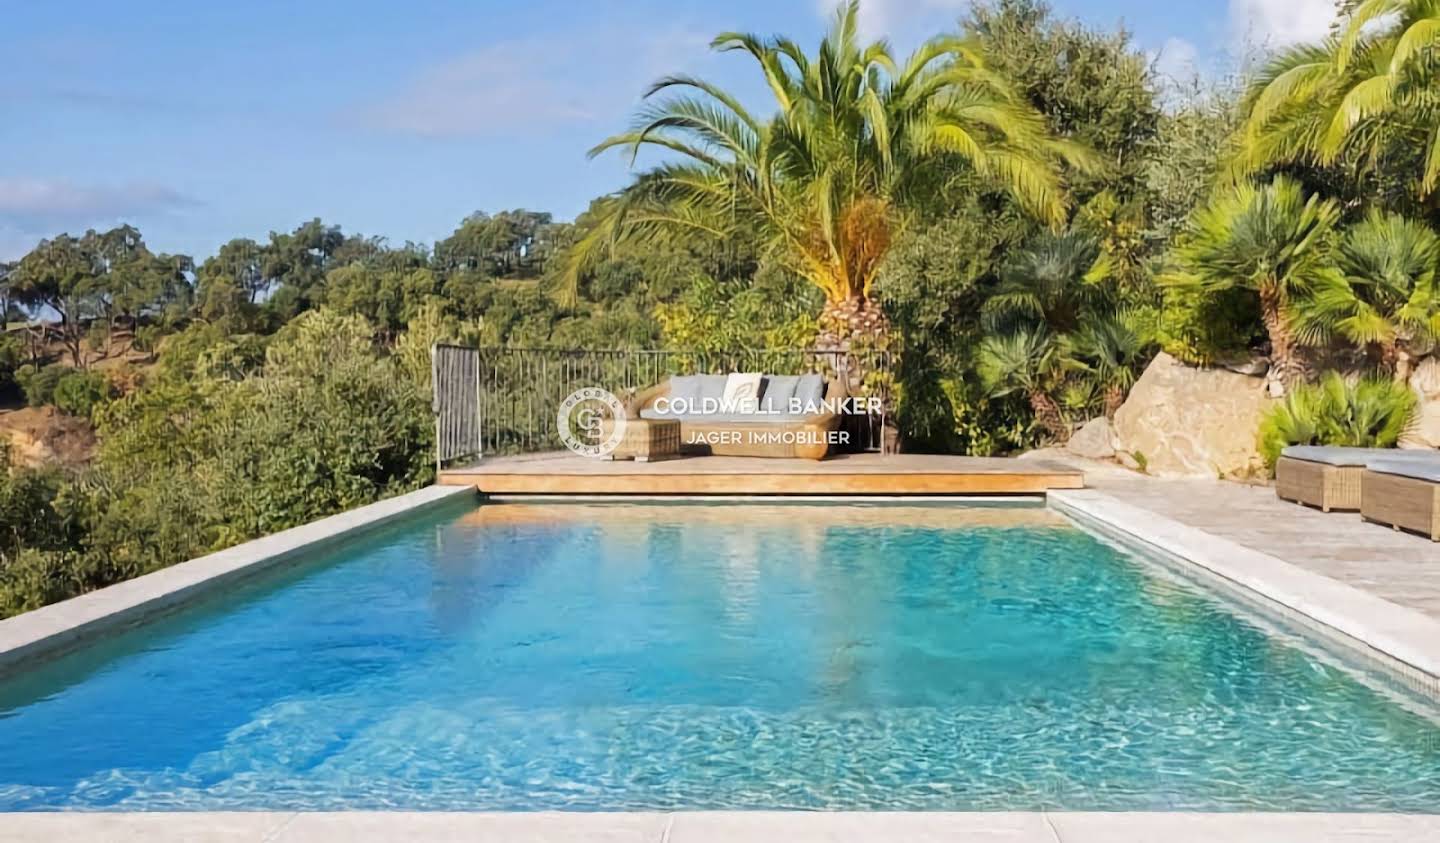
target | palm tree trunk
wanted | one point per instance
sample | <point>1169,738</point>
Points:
<point>1114,399</point>
<point>855,333</point>
<point>1397,360</point>
<point>854,341</point>
<point>855,323</point>
<point>1049,417</point>
<point>1282,341</point>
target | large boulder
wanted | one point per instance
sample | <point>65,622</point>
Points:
<point>1425,381</point>
<point>1181,421</point>
<point>1094,440</point>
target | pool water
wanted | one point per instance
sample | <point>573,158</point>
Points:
<point>627,657</point>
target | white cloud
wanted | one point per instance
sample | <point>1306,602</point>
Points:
<point>881,18</point>
<point>30,199</point>
<point>528,85</point>
<point>488,91</point>
<point>1281,23</point>
<point>1177,62</point>
<point>32,208</point>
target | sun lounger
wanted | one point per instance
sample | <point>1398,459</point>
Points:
<point>1404,494</point>
<point>1331,477</point>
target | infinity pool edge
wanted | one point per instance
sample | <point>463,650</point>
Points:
<point>70,623</point>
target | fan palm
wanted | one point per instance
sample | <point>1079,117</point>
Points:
<point>1111,353</point>
<point>1049,281</point>
<point>1384,295</point>
<point>1371,92</point>
<point>825,178</point>
<point>1032,362</point>
<point>1271,239</point>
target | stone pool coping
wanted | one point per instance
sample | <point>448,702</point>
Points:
<point>68,623</point>
<point>712,827</point>
<point>1402,641</point>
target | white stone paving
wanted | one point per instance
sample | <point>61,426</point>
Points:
<point>753,827</point>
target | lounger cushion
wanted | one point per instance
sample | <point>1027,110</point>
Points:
<point>1356,457</point>
<point>1416,469</point>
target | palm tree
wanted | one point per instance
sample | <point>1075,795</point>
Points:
<point>1111,353</point>
<point>1271,239</point>
<point>1050,281</point>
<point>854,135</point>
<point>1054,331</point>
<point>1032,362</point>
<point>1370,93</point>
<point>1384,295</point>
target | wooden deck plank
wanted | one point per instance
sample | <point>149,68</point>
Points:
<point>856,474</point>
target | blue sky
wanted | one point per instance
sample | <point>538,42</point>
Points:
<point>203,121</point>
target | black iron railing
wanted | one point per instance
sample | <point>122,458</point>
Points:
<point>504,401</point>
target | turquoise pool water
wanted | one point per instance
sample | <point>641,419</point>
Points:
<point>708,657</point>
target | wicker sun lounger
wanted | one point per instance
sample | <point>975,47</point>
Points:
<point>1331,477</point>
<point>1404,494</point>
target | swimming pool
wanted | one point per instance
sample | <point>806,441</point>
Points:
<point>627,657</point>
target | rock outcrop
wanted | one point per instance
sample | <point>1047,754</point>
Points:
<point>1425,381</point>
<point>1094,440</point>
<point>1181,421</point>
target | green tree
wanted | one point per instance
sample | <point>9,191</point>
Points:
<point>827,178</point>
<point>293,265</point>
<point>229,284</point>
<point>1384,296</point>
<point>387,298</point>
<point>511,244</point>
<point>60,275</point>
<point>1050,282</point>
<point>1366,99</point>
<point>1091,86</point>
<point>1034,363</point>
<point>1272,240</point>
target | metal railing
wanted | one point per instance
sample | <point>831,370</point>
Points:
<point>504,401</point>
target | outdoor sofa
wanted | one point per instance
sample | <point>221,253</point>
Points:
<point>1332,478</point>
<point>769,429</point>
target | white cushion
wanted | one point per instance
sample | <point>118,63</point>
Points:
<point>742,393</point>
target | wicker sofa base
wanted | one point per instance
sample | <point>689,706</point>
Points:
<point>1329,487</point>
<point>1401,502</point>
<point>807,440</point>
<point>648,441</point>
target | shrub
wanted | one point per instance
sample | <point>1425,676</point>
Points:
<point>98,338</point>
<point>147,338</point>
<point>12,351</point>
<point>1205,329</point>
<point>39,384</point>
<point>1371,412</point>
<point>77,393</point>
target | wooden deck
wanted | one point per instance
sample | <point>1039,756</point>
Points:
<point>853,474</point>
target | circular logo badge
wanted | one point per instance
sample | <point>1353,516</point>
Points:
<point>591,422</point>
